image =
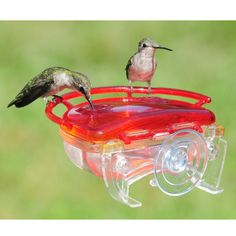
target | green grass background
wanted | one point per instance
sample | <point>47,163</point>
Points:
<point>36,178</point>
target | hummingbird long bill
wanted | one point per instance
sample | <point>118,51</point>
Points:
<point>50,82</point>
<point>142,65</point>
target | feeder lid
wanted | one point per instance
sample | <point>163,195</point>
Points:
<point>131,118</point>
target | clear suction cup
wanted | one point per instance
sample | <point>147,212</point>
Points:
<point>180,162</point>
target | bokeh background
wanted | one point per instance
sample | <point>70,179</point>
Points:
<point>36,178</point>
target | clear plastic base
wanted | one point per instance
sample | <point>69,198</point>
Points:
<point>184,160</point>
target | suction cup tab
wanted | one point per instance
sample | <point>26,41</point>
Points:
<point>216,147</point>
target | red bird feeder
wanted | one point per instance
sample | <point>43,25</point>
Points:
<point>127,137</point>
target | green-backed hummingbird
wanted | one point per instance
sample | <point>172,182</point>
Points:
<point>50,82</point>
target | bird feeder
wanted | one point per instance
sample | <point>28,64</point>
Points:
<point>130,136</point>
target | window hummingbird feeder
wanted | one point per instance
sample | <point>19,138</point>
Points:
<point>128,137</point>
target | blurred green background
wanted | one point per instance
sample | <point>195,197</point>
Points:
<point>36,178</point>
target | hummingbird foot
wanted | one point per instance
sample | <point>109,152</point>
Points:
<point>57,99</point>
<point>149,88</point>
<point>131,87</point>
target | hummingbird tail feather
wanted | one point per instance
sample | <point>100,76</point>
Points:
<point>27,96</point>
<point>21,102</point>
<point>11,103</point>
<point>25,99</point>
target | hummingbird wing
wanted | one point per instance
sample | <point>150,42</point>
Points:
<point>127,68</point>
<point>34,89</point>
<point>130,63</point>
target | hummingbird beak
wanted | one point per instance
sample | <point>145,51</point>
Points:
<point>90,102</point>
<point>162,47</point>
<point>87,96</point>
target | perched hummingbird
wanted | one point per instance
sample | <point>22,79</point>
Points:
<point>142,65</point>
<point>50,82</point>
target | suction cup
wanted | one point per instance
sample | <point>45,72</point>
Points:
<point>181,162</point>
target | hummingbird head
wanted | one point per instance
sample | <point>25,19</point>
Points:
<point>82,83</point>
<point>150,44</point>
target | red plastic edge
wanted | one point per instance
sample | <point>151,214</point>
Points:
<point>201,99</point>
<point>50,106</point>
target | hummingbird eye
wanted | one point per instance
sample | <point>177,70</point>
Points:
<point>144,45</point>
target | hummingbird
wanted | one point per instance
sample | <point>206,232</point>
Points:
<point>51,81</point>
<point>142,65</point>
